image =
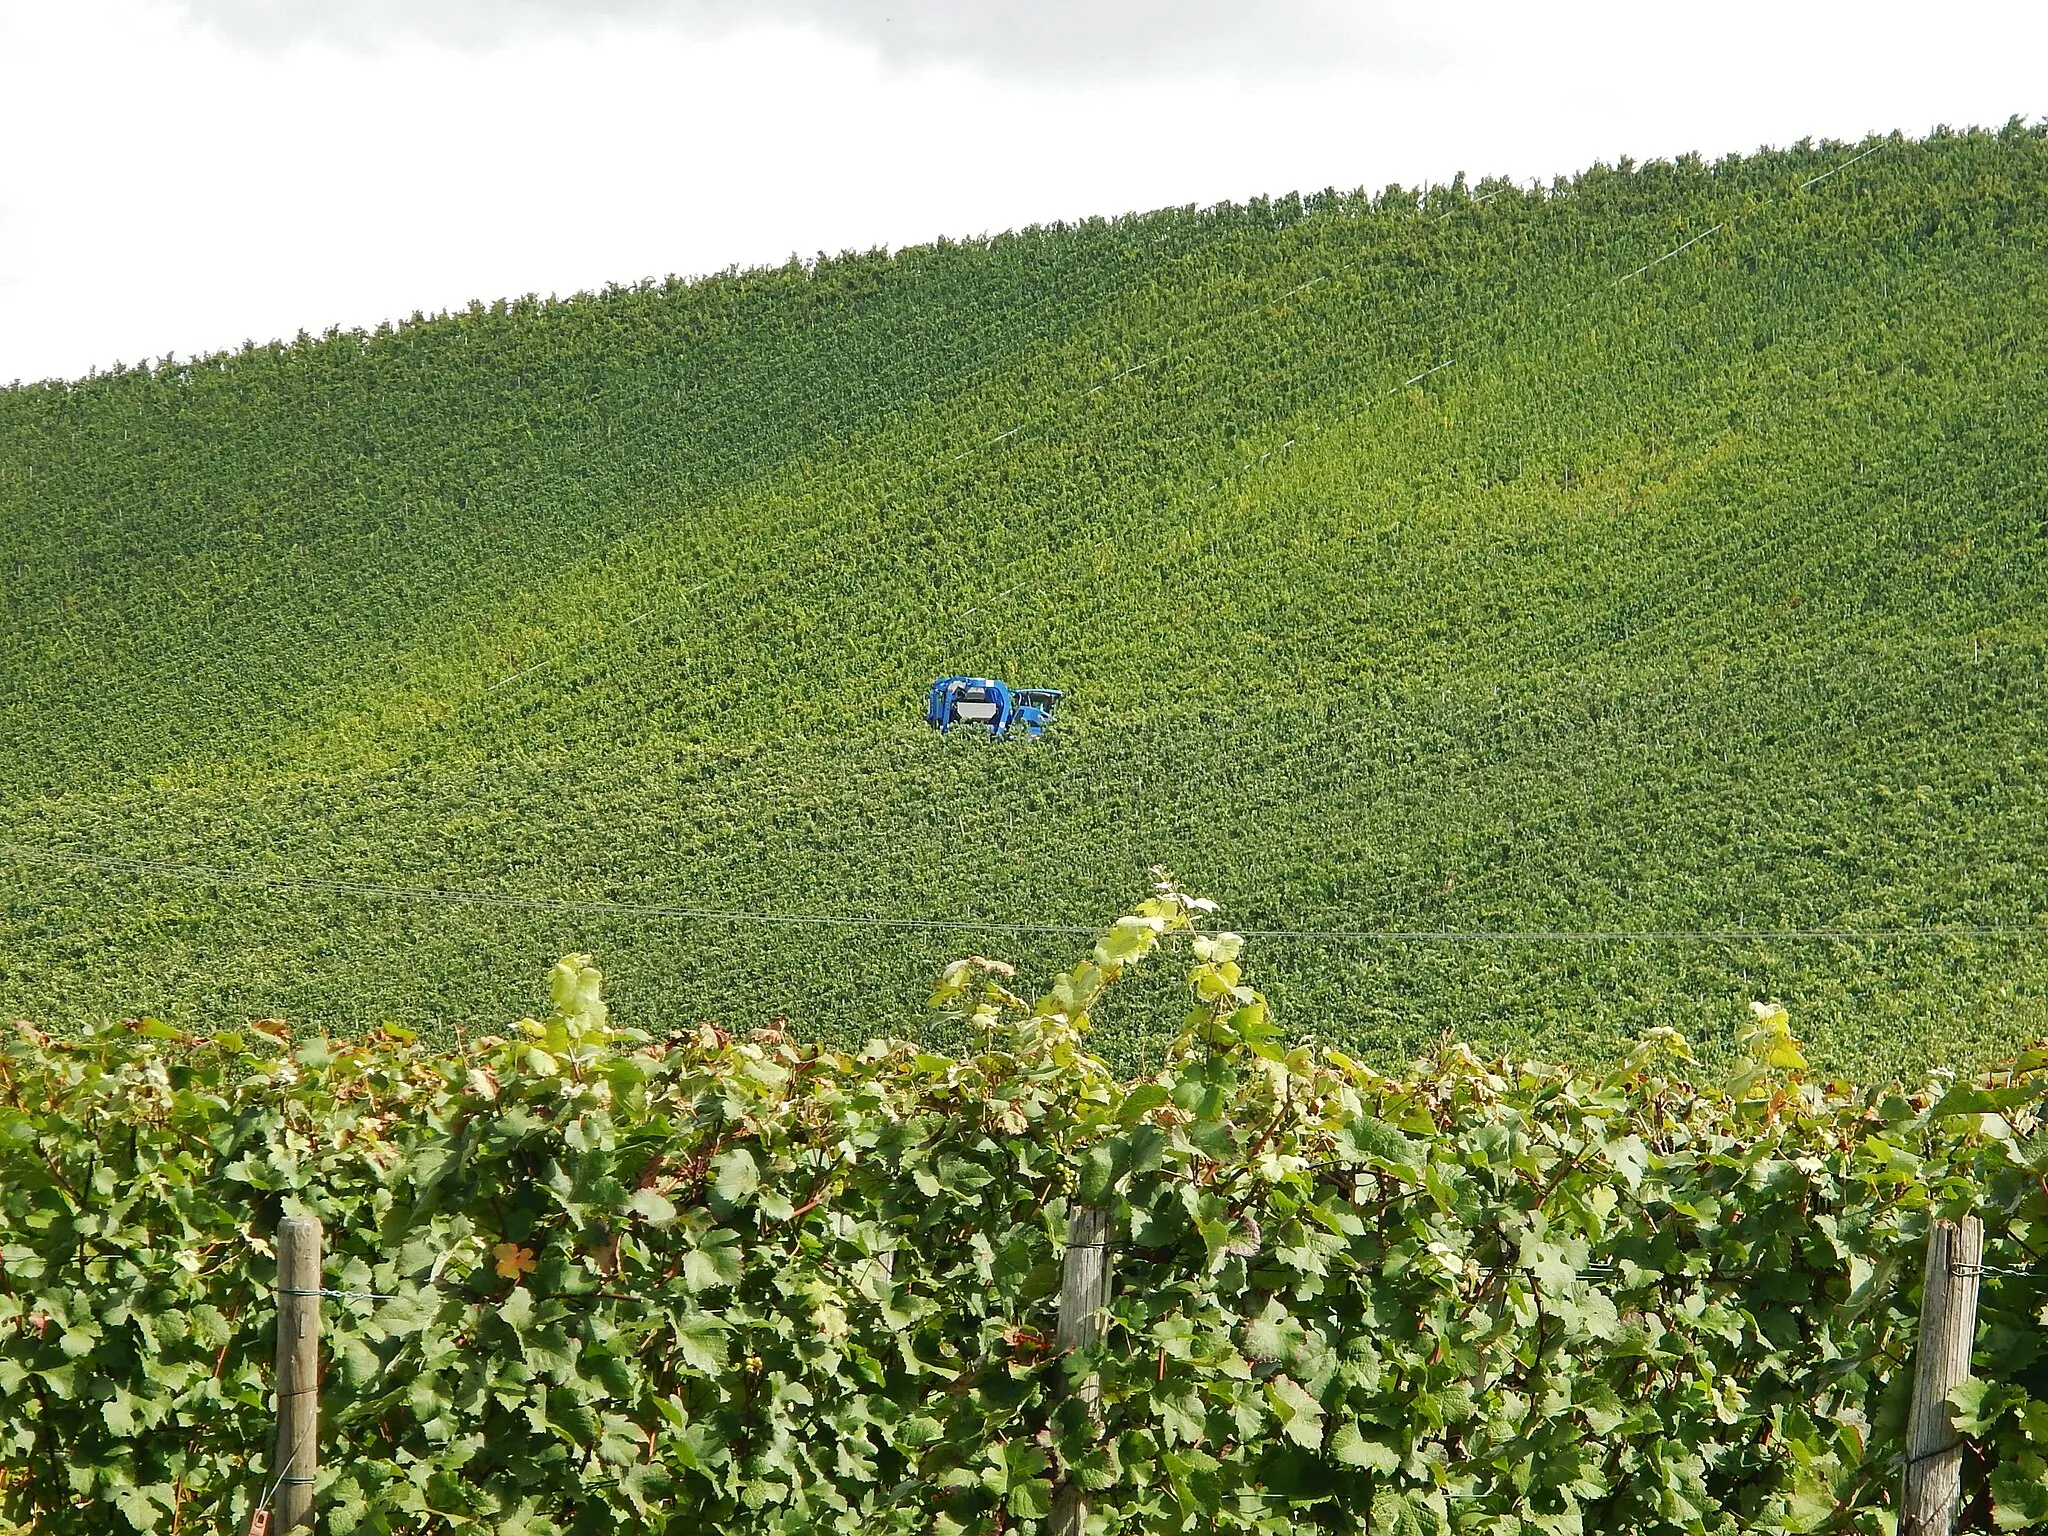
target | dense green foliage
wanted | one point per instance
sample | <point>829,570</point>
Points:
<point>1707,599</point>
<point>597,1282</point>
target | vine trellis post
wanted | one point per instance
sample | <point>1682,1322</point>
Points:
<point>1948,1334</point>
<point>1084,1292</point>
<point>295,1464</point>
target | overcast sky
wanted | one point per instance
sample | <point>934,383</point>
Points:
<point>181,175</point>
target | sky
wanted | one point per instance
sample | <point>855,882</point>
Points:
<point>180,176</point>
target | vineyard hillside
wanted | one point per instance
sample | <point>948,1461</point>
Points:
<point>1553,610</point>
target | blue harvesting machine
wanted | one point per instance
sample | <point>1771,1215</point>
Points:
<point>982,701</point>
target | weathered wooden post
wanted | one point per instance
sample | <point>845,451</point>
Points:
<point>1084,1292</point>
<point>1948,1333</point>
<point>296,1462</point>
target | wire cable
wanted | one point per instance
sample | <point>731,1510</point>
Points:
<point>451,896</point>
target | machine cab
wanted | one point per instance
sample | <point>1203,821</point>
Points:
<point>1034,709</point>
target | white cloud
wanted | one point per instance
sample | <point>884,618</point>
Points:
<point>1003,37</point>
<point>176,187</point>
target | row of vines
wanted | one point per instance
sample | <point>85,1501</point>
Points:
<point>597,1280</point>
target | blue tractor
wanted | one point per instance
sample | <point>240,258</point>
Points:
<point>982,701</point>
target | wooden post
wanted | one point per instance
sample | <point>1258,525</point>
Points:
<point>1084,1292</point>
<point>296,1461</point>
<point>1948,1333</point>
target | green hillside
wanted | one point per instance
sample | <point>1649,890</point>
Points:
<point>1693,600</point>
